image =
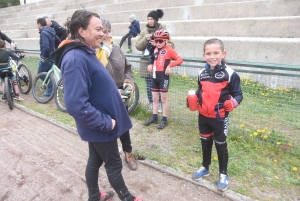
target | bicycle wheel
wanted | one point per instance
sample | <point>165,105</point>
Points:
<point>43,90</point>
<point>59,96</point>
<point>134,99</point>
<point>24,79</point>
<point>8,90</point>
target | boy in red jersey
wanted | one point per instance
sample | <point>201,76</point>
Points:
<point>160,64</point>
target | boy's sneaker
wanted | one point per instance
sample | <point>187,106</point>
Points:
<point>150,121</point>
<point>129,50</point>
<point>17,97</point>
<point>106,196</point>
<point>162,124</point>
<point>202,172</point>
<point>222,184</point>
<point>137,199</point>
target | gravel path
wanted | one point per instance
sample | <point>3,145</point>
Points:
<point>41,159</point>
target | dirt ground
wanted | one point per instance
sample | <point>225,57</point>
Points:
<point>41,159</point>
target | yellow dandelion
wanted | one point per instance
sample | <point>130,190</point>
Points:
<point>242,125</point>
<point>247,130</point>
<point>242,76</point>
<point>276,177</point>
<point>295,169</point>
<point>275,161</point>
<point>215,158</point>
<point>210,170</point>
<point>269,132</point>
<point>263,131</point>
<point>250,175</point>
<point>251,135</point>
<point>239,137</point>
<point>290,144</point>
<point>184,75</point>
<point>181,165</point>
<point>265,137</point>
<point>188,172</point>
<point>258,130</point>
<point>191,159</point>
<point>278,143</point>
<point>253,85</point>
<point>255,133</point>
<point>262,94</point>
<point>267,89</point>
<point>266,94</point>
<point>268,100</point>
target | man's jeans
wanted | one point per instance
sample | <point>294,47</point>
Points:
<point>45,67</point>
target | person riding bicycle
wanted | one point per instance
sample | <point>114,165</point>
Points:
<point>4,63</point>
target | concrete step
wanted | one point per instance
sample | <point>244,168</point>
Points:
<point>263,50</point>
<point>280,27</point>
<point>183,11</point>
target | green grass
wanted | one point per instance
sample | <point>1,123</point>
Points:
<point>263,139</point>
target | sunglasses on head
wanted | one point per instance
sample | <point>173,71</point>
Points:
<point>160,41</point>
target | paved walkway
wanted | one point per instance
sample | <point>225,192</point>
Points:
<point>41,159</point>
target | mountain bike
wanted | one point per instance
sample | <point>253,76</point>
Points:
<point>133,97</point>
<point>23,74</point>
<point>8,88</point>
<point>45,83</point>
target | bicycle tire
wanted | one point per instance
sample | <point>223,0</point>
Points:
<point>9,99</point>
<point>24,79</point>
<point>59,96</point>
<point>134,99</point>
<point>40,88</point>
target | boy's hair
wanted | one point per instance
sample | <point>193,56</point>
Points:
<point>213,41</point>
<point>2,44</point>
<point>41,21</point>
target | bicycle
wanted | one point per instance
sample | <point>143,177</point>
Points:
<point>8,87</point>
<point>59,96</point>
<point>43,82</point>
<point>133,102</point>
<point>23,74</point>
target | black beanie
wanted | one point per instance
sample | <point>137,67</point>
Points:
<point>156,14</point>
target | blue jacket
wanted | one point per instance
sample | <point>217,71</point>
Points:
<point>48,39</point>
<point>90,94</point>
<point>134,28</point>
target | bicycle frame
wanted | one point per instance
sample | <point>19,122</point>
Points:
<point>55,71</point>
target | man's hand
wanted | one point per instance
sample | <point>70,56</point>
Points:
<point>12,45</point>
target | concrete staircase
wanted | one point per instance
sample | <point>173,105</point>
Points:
<point>265,31</point>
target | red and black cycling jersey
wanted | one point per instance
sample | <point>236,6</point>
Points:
<point>215,87</point>
<point>162,58</point>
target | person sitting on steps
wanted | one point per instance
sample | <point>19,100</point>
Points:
<point>134,30</point>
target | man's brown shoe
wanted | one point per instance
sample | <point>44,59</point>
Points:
<point>129,158</point>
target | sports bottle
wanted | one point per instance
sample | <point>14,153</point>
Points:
<point>192,100</point>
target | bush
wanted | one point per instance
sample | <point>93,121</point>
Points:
<point>7,3</point>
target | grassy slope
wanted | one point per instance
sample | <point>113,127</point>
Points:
<point>262,160</point>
